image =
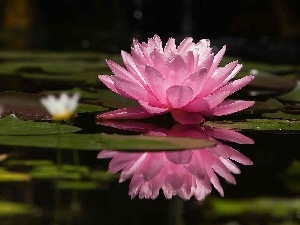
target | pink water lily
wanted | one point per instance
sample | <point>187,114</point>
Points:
<point>185,173</point>
<point>186,81</point>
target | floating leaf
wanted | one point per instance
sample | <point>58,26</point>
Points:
<point>13,126</point>
<point>258,124</point>
<point>275,207</point>
<point>282,115</point>
<point>101,141</point>
<point>10,176</point>
<point>63,141</point>
<point>265,106</point>
<point>83,108</point>
<point>30,162</point>
<point>139,142</point>
<point>8,208</point>
<point>76,185</point>
<point>54,172</point>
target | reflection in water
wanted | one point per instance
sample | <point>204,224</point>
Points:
<point>185,173</point>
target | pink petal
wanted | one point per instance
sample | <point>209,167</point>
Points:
<point>190,61</point>
<point>217,78</point>
<point>214,180</point>
<point>179,96</point>
<point>185,45</point>
<point>231,166</point>
<point>179,157</point>
<point>152,109</point>
<point>137,112</point>
<point>236,85</point>
<point>158,42</point>
<point>170,47</point>
<point>153,164</point>
<point>158,60</point>
<point>131,66</point>
<point>122,160</point>
<point>175,67</point>
<point>228,135</point>
<point>120,71</point>
<point>108,82</point>
<point>196,80</point>
<point>187,117</point>
<point>175,177</point>
<point>129,89</point>
<point>217,59</point>
<point>156,83</point>
<point>228,107</point>
<point>106,154</point>
<point>237,156</point>
<point>206,103</point>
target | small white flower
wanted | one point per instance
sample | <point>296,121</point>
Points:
<point>63,107</point>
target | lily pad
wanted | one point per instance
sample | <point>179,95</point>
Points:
<point>13,126</point>
<point>265,106</point>
<point>8,208</point>
<point>282,115</point>
<point>83,108</point>
<point>76,185</point>
<point>10,176</point>
<point>104,141</point>
<point>258,124</point>
<point>140,142</point>
<point>274,207</point>
<point>63,141</point>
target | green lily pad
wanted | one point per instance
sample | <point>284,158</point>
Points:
<point>265,106</point>
<point>104,141</point>
<point>282,115</point>
<point>83,108</point>
<point>76,185</point>
<point>54,172</point>
<point>63,141</point>
<point>275,207</point>
<point>258,124</point>
<point>8,208</point>
<point>13,126</point>
<point>139,142</point>
<point>10,176</point>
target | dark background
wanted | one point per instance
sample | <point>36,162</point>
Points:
<point>251,28</point>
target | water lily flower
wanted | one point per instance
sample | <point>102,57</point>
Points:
<point>186,81</point>
<point>185,173</point>
<point>63,107</point>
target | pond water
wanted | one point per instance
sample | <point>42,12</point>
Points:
<point>52,173</point>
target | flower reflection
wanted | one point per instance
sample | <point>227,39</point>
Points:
<point>185,173</point>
